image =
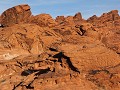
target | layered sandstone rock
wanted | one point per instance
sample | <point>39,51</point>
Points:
<point>43,20</point>
<point>66,53</point>
<point>106,19</point>
<point>70,20</point>
<point>15,15</point>
<point>108,25</point>
<point>60,19</point>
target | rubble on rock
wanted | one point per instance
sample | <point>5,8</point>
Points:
<point>66,53</point>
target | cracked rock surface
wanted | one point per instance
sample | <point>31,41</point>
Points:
<point>66,53</point>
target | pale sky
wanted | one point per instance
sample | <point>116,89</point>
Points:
<point>65,7</point>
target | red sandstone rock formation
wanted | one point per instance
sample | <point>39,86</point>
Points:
<point>60,19</point>
<point>43,20</point>
<point>15,15</point>
<point>68,53</point>
<point>108,26</point>
<point>105,19</point>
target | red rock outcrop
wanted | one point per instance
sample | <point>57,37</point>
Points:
<point>43,20</point>
<point>15,15</point>
<point>77,16</point>
<point>107,19</point>
<point>60,19</point>
<point>108,25</point>
<point>66,53</point>
<point>70,20</point>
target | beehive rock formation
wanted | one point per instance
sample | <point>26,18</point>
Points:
<point>66,53</point>
<point>15,15</point>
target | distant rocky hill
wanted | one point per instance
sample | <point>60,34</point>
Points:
<point>66,53</point>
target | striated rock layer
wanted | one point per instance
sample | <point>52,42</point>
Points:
<point>15,15</point>
<point>66,53</point>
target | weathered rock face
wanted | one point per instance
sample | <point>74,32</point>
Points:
<point>107,19</point>
<point>92,19</point>
<point>68,53</point>
<point>60,19</point>
<point>29,37</point>
<point>70,20</point>
<point>15,15</point>
<point>77,16</point>
<point>110,16</point>
<point>108,25</point>
<point>69,25</point>
<point>112,40</point>
<point>43,20</point>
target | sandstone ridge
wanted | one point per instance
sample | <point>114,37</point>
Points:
<point>65,53</point>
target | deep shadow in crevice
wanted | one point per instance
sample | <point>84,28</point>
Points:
<point>118,53</point>
<point>70,64</point>
<point>17,86</point>
<point>78,33</point>
<point>60,56</point>
<point>52,49</point>
<point>29,86</point>
<point>42,71</point>
<point>38,72</point>
<point>28,72</point>
<point>93,72</point>
<point>81,29</point>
